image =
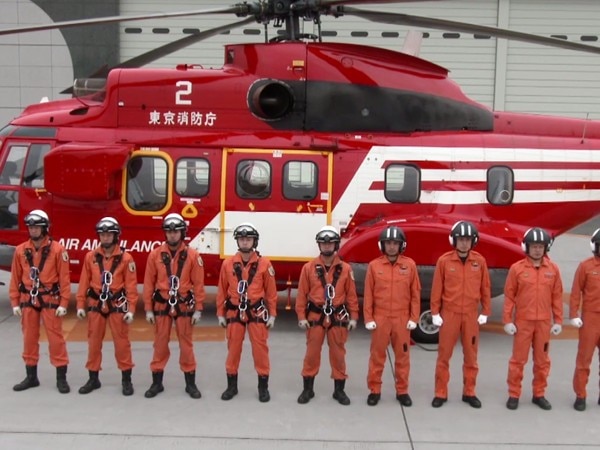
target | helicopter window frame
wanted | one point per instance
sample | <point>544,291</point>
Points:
<point>147,186</point>
<point>33,172</point>
<point>191,179</point>
<point>500,185</point>
<point>301,183</point>
<point>402,187</point>
<point>253,179</point>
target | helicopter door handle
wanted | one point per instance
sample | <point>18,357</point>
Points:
<point>312,206</point>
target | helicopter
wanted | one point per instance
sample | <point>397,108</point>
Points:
<point>291,135</point>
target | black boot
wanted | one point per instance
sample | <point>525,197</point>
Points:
<point>338,392</point>
<point>263,388</point>
<point>232,389</point>
<point>307,392</point>
<point>156,387</point>
<point>190,385</point>
<point>126,382</point>
<point>91,384</point>
<point>31,380</point>
<point>61,380</point>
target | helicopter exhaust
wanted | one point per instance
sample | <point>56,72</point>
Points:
<point>270,99</point>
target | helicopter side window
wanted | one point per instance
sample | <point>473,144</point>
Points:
<point>192,177</point>
<point>402,183</point>
<point>253,179</point>
<point>147,178</point>
<point>500,185</point>
<point>300,180</point>
<point>33,175</point>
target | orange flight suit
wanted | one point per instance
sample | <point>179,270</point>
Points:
<point>457,292</point>
<point>310,288</point>
<point>534,297</point>
<point>54,274</point>
<point>585,293</point>
<point>261,287</point>
<point>392,298</point>
<point>124,284</point>
<point>156,295</point>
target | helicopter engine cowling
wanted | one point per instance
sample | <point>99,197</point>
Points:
<point>270,99</point>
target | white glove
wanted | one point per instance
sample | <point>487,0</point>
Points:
<point>556,329</point>
<point>81,313</point>
<point>482,319</point>
<point>577,322</point>
<point>304,324</point>
<point>60,311</point>
<point>510,328</point>
<point>271,322</point>
<point>370,326</point>
<point>17,311</point>
<point>437,320</point>
<point>150,317</point>
<point>128,317</point>
<point>196,317</point>
<point>410,325</point>
<point>351,325</point>
<point>222,321</point>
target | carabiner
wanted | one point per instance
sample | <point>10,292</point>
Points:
<point>243,306</point>
<point>329,292</point>
<point>242,286</point>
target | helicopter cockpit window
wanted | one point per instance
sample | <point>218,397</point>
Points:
<point>300,180</point>
<point>192,177</point>
<point>402,183</point>
<point>10,178</point>
<point>253,179</point>
<point>147,179</point>
<point>33,176</point>
<point>500,185</point>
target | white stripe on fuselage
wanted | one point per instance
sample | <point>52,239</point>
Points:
<point>371,171</point>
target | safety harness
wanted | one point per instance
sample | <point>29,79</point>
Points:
<point>38,290</point>
<point>339,313</point>
<point>109,301</point>
<point>246,310</point>
<point>175,300</point>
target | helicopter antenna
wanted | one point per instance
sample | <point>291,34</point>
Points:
<point>587,119</point>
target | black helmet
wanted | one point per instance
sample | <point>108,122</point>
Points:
<point>39,218</point>
<point>393,234</point>
<point>463,228</point>
<point>595,242</point>
<point>536,235</point>
<point>174,222</point>
<point>246,229</point>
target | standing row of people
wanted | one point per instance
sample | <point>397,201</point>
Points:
<point>326,306</point>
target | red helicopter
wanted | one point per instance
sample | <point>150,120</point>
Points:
<point>291,135</point>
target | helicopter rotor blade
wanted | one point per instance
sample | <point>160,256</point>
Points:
<point>240,9</point>
<point>172,47</point>
<point>449,25</point>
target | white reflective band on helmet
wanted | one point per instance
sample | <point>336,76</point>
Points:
<point>595,241</point>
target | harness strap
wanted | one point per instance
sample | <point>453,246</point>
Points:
<point>237,269</point>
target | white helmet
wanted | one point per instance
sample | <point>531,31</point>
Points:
<point>37,217</point>
<point>246,229</point>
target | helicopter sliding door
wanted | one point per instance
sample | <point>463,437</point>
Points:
<point>285,194</point>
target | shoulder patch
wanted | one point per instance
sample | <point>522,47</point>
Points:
<point>131,266</point>
<point>65,256</point>
<point>271,271</point>
<point>200,262</point>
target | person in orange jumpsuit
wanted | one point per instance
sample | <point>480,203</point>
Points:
<point>173,292</point>
<point>584,312</point>
<point>460,302</point>
<point>392,304</point>
<point>532,300</point>
<point>326,305</point>
<point>108,292</point>
<point>247,300</point>
<point>40,288</point>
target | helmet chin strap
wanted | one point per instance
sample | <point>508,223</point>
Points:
<point>329,253</point>
<point>245,250</point>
